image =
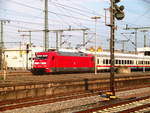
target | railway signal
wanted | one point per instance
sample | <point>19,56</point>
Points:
<point>27,52</point>
<point>118,10</point>
<point>27,48</point>
<point>115,12</point>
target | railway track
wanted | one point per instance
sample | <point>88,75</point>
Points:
<point>138,105</point>
<point>27,102</point>
<point>86,91</point>
<point>26,72</point>
<point>33,101</point>
<point>17,73</point>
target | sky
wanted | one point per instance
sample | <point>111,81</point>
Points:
<point>29,15</point>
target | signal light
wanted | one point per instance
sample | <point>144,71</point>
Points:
<point>27,48</point>
<point>116,1</point>
<point>121,7</point>
<point>119,14</point>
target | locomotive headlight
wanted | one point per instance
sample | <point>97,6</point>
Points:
<point>36,62</point>
<point>43,62</point>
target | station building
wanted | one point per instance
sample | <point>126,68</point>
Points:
<point>17,58</point>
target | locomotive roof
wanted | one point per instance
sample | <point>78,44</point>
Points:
<point>72,54</point>
<point>65,53</point>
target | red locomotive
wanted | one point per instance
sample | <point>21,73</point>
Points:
<point>53,61</point>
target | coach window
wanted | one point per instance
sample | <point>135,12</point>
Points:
<point>138,62</point>
<point>106,61</point>
<point>103,61</point>
<point>97,61</point>
<point>127,61</point>
<point>116,61</point>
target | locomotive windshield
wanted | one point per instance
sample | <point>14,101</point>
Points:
<point>41,57</point>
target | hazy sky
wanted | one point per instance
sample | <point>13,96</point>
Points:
<point>28,15</point>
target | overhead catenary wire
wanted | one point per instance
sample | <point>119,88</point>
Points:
<point>51,11</point>
<point>81,10</point>
<point>70,10</point>
<point>70,19</point>
<point>87,9</point>
<point>29,6</point>
<point>40,9</point>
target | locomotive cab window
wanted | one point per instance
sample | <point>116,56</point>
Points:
<point>41,57</point>
<point>147,53</point>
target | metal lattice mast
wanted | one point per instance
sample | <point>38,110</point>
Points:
<point>46,33</point>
